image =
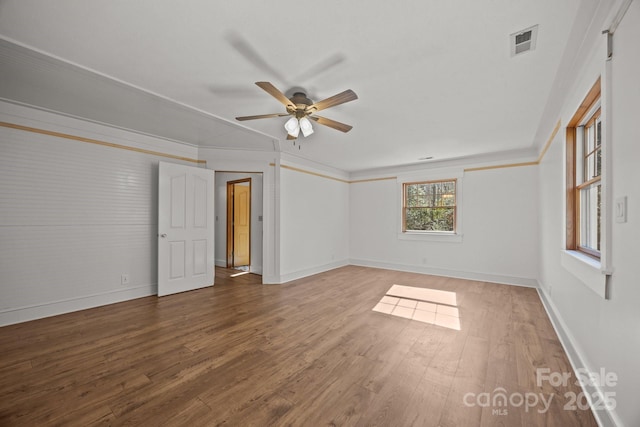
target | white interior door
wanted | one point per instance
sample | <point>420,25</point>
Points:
<point>185,228</point>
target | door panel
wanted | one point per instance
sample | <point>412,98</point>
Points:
<point>178,200</point>
<point>185,228</point>
<point>176,259</point>
<point>199,257</point>
<point>200,202</point>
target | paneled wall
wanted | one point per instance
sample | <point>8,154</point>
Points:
<point>75,216</point>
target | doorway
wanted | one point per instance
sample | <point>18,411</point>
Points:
<point>256,250</point>
<point>239,224</point>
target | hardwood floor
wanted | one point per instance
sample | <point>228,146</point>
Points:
<point>310,352</point>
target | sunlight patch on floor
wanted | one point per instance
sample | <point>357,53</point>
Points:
<point>431,306</point>
<point>239,274</point>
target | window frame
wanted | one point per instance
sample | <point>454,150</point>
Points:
<point>405,207</point>
<point>592,119</point>
<point>590,110</point>
<point>440,174</point>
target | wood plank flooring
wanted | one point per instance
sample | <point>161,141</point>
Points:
<point>308,353</point>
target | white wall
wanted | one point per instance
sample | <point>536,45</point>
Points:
<point>314,222</point>
<point>599,333</point>
<point>75,216</point>
<point>499,225</point>
<point>256,217</point>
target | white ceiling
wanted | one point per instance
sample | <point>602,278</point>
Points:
<point>434,78</point>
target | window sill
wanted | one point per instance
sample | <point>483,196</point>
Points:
<point>430,237</point>
<point>586,269</point>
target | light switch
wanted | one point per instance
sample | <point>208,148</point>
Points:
<point>621,209</point>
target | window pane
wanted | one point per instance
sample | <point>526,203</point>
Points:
<point>590,201</point>
<point>447,194</point>
<point>593,165</point>
<point>589,140</point>
<point>429,219</point>
<point>413,196</point>
<point>431,194</point>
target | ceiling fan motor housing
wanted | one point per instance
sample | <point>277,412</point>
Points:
<point>301,102</point>
<point>301,98</point>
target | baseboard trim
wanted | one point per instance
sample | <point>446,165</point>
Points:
<point>54,308</point>
<point>604,417</point>
<point>284,278</point>
<point>270,279</point>
<point>469,275</point>
<point>257,269</point>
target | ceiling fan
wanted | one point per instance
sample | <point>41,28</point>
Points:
<point>301,109</point>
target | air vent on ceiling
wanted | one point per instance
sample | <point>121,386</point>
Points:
<point>524,41</point>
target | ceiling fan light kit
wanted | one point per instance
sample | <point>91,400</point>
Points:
<point>305,126</point>
<point>301,109</point>
<point>293,127</point>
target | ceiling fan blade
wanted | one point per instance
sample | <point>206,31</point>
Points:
<point>261,116</point>
<point>332,123</point>
<point>289,137</point>
<point>320,67</point>
<point>245,48</point>
<point>277,94</point>
<point>341,98</point>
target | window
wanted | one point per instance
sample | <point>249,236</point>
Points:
<point>584,181</point>
<point>429,206</point>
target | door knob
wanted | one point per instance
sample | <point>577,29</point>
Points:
<point>163,235</point>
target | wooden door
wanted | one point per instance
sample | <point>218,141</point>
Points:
<point>185,228</point>
<point>242,224</point>
<point>239,223</point>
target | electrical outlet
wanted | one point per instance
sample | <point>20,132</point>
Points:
<point>124,279</point>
